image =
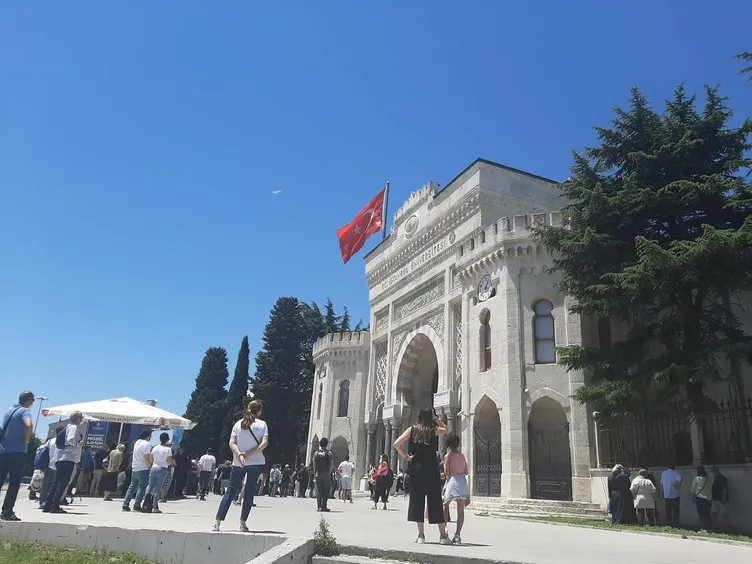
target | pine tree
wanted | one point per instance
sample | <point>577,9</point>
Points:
<point>207,405</point>
<point>747,58</point>
<point>331,319</point>
<point>237,398</point>
<point>344,324</point>
<point>658,237</point>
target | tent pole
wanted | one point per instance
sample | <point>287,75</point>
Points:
<point>120,435</point>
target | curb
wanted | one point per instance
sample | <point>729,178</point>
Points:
<point>420,557</point>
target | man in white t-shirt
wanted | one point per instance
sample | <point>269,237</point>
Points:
<point>345,471</point>
<point>671,482</point>
<point>206,465</point>
<point>161,458</point>
<point>141,464</point>
<point>69,441</point>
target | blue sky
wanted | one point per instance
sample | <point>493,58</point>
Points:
<point>140,144</point>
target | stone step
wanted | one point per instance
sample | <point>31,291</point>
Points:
<point>511,514</point>
<point>347,559</point>
<point>516,507</point>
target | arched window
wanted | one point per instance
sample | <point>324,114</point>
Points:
<point>344,398</point>
<point>485,340</point>
<point>318,409</point>
<point>543,332</point>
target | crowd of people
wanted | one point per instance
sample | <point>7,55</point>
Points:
<point>637,500</point>
<point>145,474</point>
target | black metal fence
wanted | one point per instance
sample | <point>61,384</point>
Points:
<point>648,441</point>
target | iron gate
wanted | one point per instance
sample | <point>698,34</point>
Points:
<point>550,462</point>
<point>486,465</point>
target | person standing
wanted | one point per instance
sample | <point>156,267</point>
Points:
<point>345,471</point>
<point>18,428</point>
<point>141,466</point>
<point>87,471</point>
<point>702,493</point>
<point>381,482</point>
<point>322,466</point>
<point>643,491</point>
<point>96,478</point>
<point>671,482</point>
<point>49,472</point>
<point>69,442</point>
<point>110,478</point>
<point>720,494</point>
<point>425,478</point>
<point>161,459</point>
<point>285,480</point>
<point>206,465</point>
<point>248,440</point>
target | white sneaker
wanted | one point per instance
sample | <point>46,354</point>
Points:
<point>421,540</point>
<point>457,539</point>
<point>215,527</point>
<point>445,540</point>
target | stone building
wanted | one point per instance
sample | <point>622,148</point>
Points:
<point>465,316</point>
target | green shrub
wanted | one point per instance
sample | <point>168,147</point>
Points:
<point>324,543</point>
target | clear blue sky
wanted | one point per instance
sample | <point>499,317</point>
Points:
<point>140,144</point>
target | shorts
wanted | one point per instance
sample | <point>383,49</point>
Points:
<point>344,483</point>
<point>717,508</point>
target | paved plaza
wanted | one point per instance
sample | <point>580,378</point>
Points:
<point>358,524</point>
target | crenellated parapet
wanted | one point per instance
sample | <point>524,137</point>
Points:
<point>416,199</point>
<point>508,237</point>
<point>353,343</point>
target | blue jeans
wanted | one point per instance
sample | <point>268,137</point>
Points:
<point>11,464</point>
<point>157,479</point>
<point>139,481</point>
<point>251,474</point>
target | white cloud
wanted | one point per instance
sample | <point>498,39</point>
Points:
<point>277,191</point>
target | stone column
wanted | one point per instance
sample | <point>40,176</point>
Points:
<point>391,450</point>
<point>387,438</point>
<point>371,431</point>
<point>451,418</point>
<point>698,441</point>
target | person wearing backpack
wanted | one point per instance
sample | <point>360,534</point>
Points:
<point>322,465</point>
<point>17,429</point>
<point>49,470</point>
<point>68,442</point>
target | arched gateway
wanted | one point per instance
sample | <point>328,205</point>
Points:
<point>550,457</point>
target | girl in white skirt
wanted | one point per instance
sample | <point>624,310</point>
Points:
<point>455,489</point>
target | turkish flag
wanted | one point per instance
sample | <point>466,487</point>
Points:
<point>370,220</point>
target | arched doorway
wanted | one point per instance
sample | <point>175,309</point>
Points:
<point>550,457</point>
<point>487,450</point>
<point>340,449</point>
<point>417,378</point>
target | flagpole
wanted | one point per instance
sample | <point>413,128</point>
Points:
<point>386,208</point>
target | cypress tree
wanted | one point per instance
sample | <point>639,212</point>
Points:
<point>207,404</point>
<point>237,398</point>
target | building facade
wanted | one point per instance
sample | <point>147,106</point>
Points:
<point>464,319</point>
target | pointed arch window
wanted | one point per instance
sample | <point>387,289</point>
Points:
<point>543,332</point>
<point>344,398</point>
<point>485,340</point>
<point>318,408</point>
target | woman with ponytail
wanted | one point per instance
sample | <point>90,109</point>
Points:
<point>249,438</point>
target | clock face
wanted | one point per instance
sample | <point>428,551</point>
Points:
<point>485,288</point>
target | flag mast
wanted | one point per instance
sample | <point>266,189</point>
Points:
<point>383,213</point>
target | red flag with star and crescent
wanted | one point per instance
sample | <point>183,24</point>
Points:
<point>368,222</point>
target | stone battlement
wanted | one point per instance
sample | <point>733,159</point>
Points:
<point>513,227</point>
<point>415,199</point>
<point>351,340</point>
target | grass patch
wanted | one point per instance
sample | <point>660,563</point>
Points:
<point>684,533</point>
<point>23,553</point>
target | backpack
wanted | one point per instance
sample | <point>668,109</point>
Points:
<point>322,461</point>
<point>42,458</point>
<point>60,438</point>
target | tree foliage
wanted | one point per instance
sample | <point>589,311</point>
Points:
<point>747,58</point>
<point>285,372</point>
<point>237,398</point>
<point>657,237</point>
<point>207,406</point>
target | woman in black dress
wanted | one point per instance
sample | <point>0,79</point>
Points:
<point>423,468</point>
<point>620,496</point>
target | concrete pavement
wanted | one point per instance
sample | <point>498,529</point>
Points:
<point>357,524</point>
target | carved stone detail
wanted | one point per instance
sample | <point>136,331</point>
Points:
<point>420,299</point>
<point>381,366</point>
<point>436,322</point>
<point>397,340</point>
<point>381,321</point>
<point>457,319</point>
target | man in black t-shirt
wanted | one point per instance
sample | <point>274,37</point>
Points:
<point>323,466</point>
<point>720,493</point>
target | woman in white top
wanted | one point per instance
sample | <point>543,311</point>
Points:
<point>248,439</point>
<point>161,458</point>
<point>644,492</point>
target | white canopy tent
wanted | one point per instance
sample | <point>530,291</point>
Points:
<point>122,410</point>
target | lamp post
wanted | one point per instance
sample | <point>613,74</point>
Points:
<point>41,400</point>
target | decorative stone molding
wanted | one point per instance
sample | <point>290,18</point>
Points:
<point>380,350</point>
<point>341,345</point>
<point>436,322</point>
<point>457,329</point>
<point>419,299</point>
<point>397,340</point>
<point>415,199</point>
<point>381,321</point>
<point>440,228</point>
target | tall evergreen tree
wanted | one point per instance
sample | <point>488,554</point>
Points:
<point>207,404</point>
<point>331,319</point>
<point>237,397</point>
<point>344,324</point>
<point>747,58</point>
<point>657,236</point>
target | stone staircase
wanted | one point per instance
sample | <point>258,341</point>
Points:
<point>526,508</point>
